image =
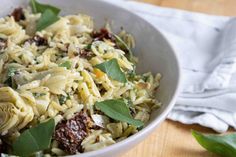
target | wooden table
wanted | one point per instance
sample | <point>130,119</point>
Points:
<point>173,139</point>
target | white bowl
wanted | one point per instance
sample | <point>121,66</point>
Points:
<point>154,52</point>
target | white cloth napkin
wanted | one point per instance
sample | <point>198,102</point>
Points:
<point>206,47</point>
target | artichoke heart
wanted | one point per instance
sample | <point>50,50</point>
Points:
<point>14,112</point>
<point>8,116</point>
<point>42,103</point>
<point>37,98</point>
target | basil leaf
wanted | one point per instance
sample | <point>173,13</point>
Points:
<point>117,109</point>
<point>48,17</point>
<point>123,46</point>
<point>34,139</point>
<point>222,145</point>
<point>66,64</point>
<point>40,8</point>
<point>112,69</point>
<point>49,14</point>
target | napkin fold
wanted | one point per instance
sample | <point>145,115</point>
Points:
<point>206,47</point>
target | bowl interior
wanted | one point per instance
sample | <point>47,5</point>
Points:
<point>152,49</point>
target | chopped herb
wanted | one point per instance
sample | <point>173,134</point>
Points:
<point>34,139</point>
<point>130,104</point>
<point>112,69</point>
<point>131,74</point>
<point>11,71</point>
<point>66,64</point>
<point>88,47</point>
<point>117,109</point>
<point>63,98</point>
<point>10,81</point>
<point>145,78</point>
<point>222,145</point>
<point>36,95</point>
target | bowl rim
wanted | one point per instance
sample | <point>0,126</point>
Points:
<point>151,126</point>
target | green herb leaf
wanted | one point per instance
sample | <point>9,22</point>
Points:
<point>88,47</point>
<point>41,8</point>
<point>62,99</point>
<point>117,109</point>
<point>145,77</point>
<point>123,46</point>
<point>11,71</point>
<point>112,69</point>
<point>47,18</point>
<point>34,139</point>
<point>222,145</point>
<point>49,14</point>
<point>10,81</point>
<point>36,95</point>
<point>131,74</point>
<point>130,104</point>
<point>66,64</point>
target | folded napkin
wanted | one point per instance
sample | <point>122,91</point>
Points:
<point>206,47</point>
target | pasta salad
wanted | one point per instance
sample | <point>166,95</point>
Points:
<point>66,88</point>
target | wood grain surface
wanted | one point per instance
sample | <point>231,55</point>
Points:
<point>173,139</point>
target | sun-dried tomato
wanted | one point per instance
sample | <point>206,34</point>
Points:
<point>102,34</point>
<point>18,14</point>
<point>86,54</point>
<point>39,41</point>
<point>70,133</point>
